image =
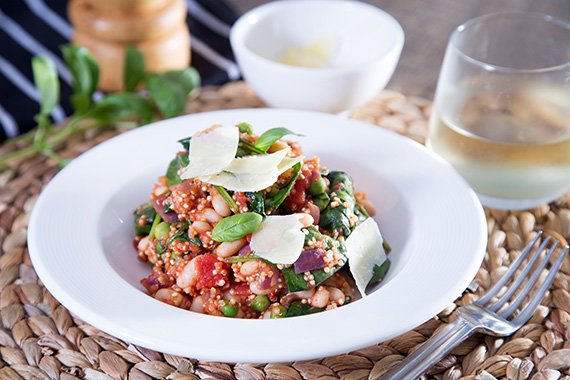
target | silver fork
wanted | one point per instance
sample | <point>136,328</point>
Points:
<point>494,317</point>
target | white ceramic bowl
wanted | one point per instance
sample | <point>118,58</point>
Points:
<point>367,45</point>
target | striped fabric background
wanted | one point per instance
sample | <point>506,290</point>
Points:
<point>30,27</point>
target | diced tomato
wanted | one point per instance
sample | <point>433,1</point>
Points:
<point>185,196</point>
<point>211,272</point>
<point>240,289</point>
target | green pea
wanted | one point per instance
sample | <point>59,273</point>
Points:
<point>278,312</point>
<point>229,310</point>
<point>318,186</point>
<point>260,303</point>
<point>162,230</point>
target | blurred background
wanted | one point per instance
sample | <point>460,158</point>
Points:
<point>30,27</point>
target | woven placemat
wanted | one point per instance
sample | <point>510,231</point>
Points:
<point>40,339</point>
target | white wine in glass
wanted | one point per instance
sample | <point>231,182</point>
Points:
<point>506,129</point>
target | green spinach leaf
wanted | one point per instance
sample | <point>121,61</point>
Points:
<point>257,202</point>
<point>236,226</point>
<point>337,219</point>
<point>149,213</point>
<point>379,272</point>
<point>273,202</point>
<point>185,143</point>
<point>298,308</point>
<point>178,162</point>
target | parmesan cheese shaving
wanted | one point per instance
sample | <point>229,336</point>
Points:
<point>262,163</point>
<point>242,181</point>
<point>364,250</point>
<point>279,239</point>
<point>211,151</point>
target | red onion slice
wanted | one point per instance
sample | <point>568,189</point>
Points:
<point>310,260</point>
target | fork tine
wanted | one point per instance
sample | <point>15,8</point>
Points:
<point>528,286</point>
<point>512,268</point>
<point>527,312</point>
<point>519,278</point>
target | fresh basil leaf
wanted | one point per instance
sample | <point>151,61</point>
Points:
<point>169,90</point>
<point>269,137</point>
<point>85,72</point>
<point>236,226</point>
<point>298,308</point>
<point>257,202</point>
<point>188,78</point>
<point>185,143</point>
<point>245,128</point>
<point>134,68</point>
<point>379,272</point>
<point>228,198</point>
<point>121,106</point>
<point>179,162</point>
<point>272,203</point>
<point>45,78</point>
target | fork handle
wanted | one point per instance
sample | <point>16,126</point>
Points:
<point>432,351</point>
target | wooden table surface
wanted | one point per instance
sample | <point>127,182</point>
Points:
<point>428,24</point>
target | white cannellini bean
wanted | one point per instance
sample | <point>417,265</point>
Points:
<point>143,244</point>
<point>200,226</point>
<point>249,267</point>
<point>197,305</point>
<point>256,289</point>
<point>171,297</point>
<point>320,298</point>
<point>220,205</point>
<point>336,294</point>
<point>229,248</point>
<point>267,314</point>
<point>189,276</point>
<point>210,215</point>
<point>306,220</point>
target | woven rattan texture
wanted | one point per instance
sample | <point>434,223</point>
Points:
<point>40,339</point>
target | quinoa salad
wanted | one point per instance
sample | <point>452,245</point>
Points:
<point>245,226</point>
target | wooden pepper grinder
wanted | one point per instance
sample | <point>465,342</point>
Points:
<point>106,27</point>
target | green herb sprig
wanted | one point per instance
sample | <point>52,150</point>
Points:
<point>165,96</point>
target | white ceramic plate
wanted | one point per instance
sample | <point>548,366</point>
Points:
<point>80,241</point>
